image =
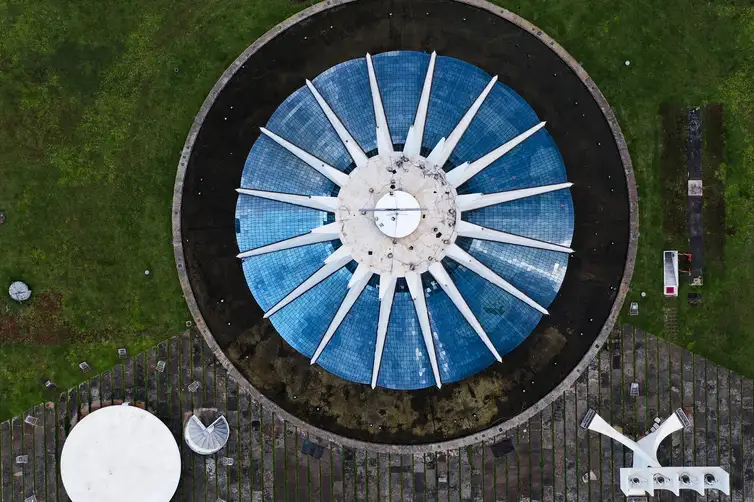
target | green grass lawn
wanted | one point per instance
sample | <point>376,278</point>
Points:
<point>93,115</point>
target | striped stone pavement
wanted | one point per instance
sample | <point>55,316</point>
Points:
<point>547,459</point>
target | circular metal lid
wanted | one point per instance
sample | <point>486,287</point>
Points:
<point>19,291</point>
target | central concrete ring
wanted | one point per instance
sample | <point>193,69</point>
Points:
<point>397,214</point>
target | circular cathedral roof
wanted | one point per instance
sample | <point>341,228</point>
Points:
<point>514,237</point>
<point>404,220</point>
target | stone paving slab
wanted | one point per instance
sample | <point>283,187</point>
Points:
<point>548,458</point>
<point>605,405</point>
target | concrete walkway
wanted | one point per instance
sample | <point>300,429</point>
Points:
<point>546,459</point>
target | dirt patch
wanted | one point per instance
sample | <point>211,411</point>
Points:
<point>36,321</point>
<point>673,175</point>
<point>713,181</point>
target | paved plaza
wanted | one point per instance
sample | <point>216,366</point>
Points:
<point>545,459</point>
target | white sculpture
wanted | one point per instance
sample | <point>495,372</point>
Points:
<point>647,475</point>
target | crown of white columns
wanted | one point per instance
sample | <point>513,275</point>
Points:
<point>647,475</point>
<point>407,229</point>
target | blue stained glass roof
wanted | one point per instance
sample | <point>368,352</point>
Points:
<point>351,351</point>
<point>401,78</point>
<point>458,86</point>
<point>343,87</point>
<point>546,217</point>
<point>300,113</point>
<point>460,352</point>
<point>405,363</point>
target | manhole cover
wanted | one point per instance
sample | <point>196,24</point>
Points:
<point>19,291</point>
